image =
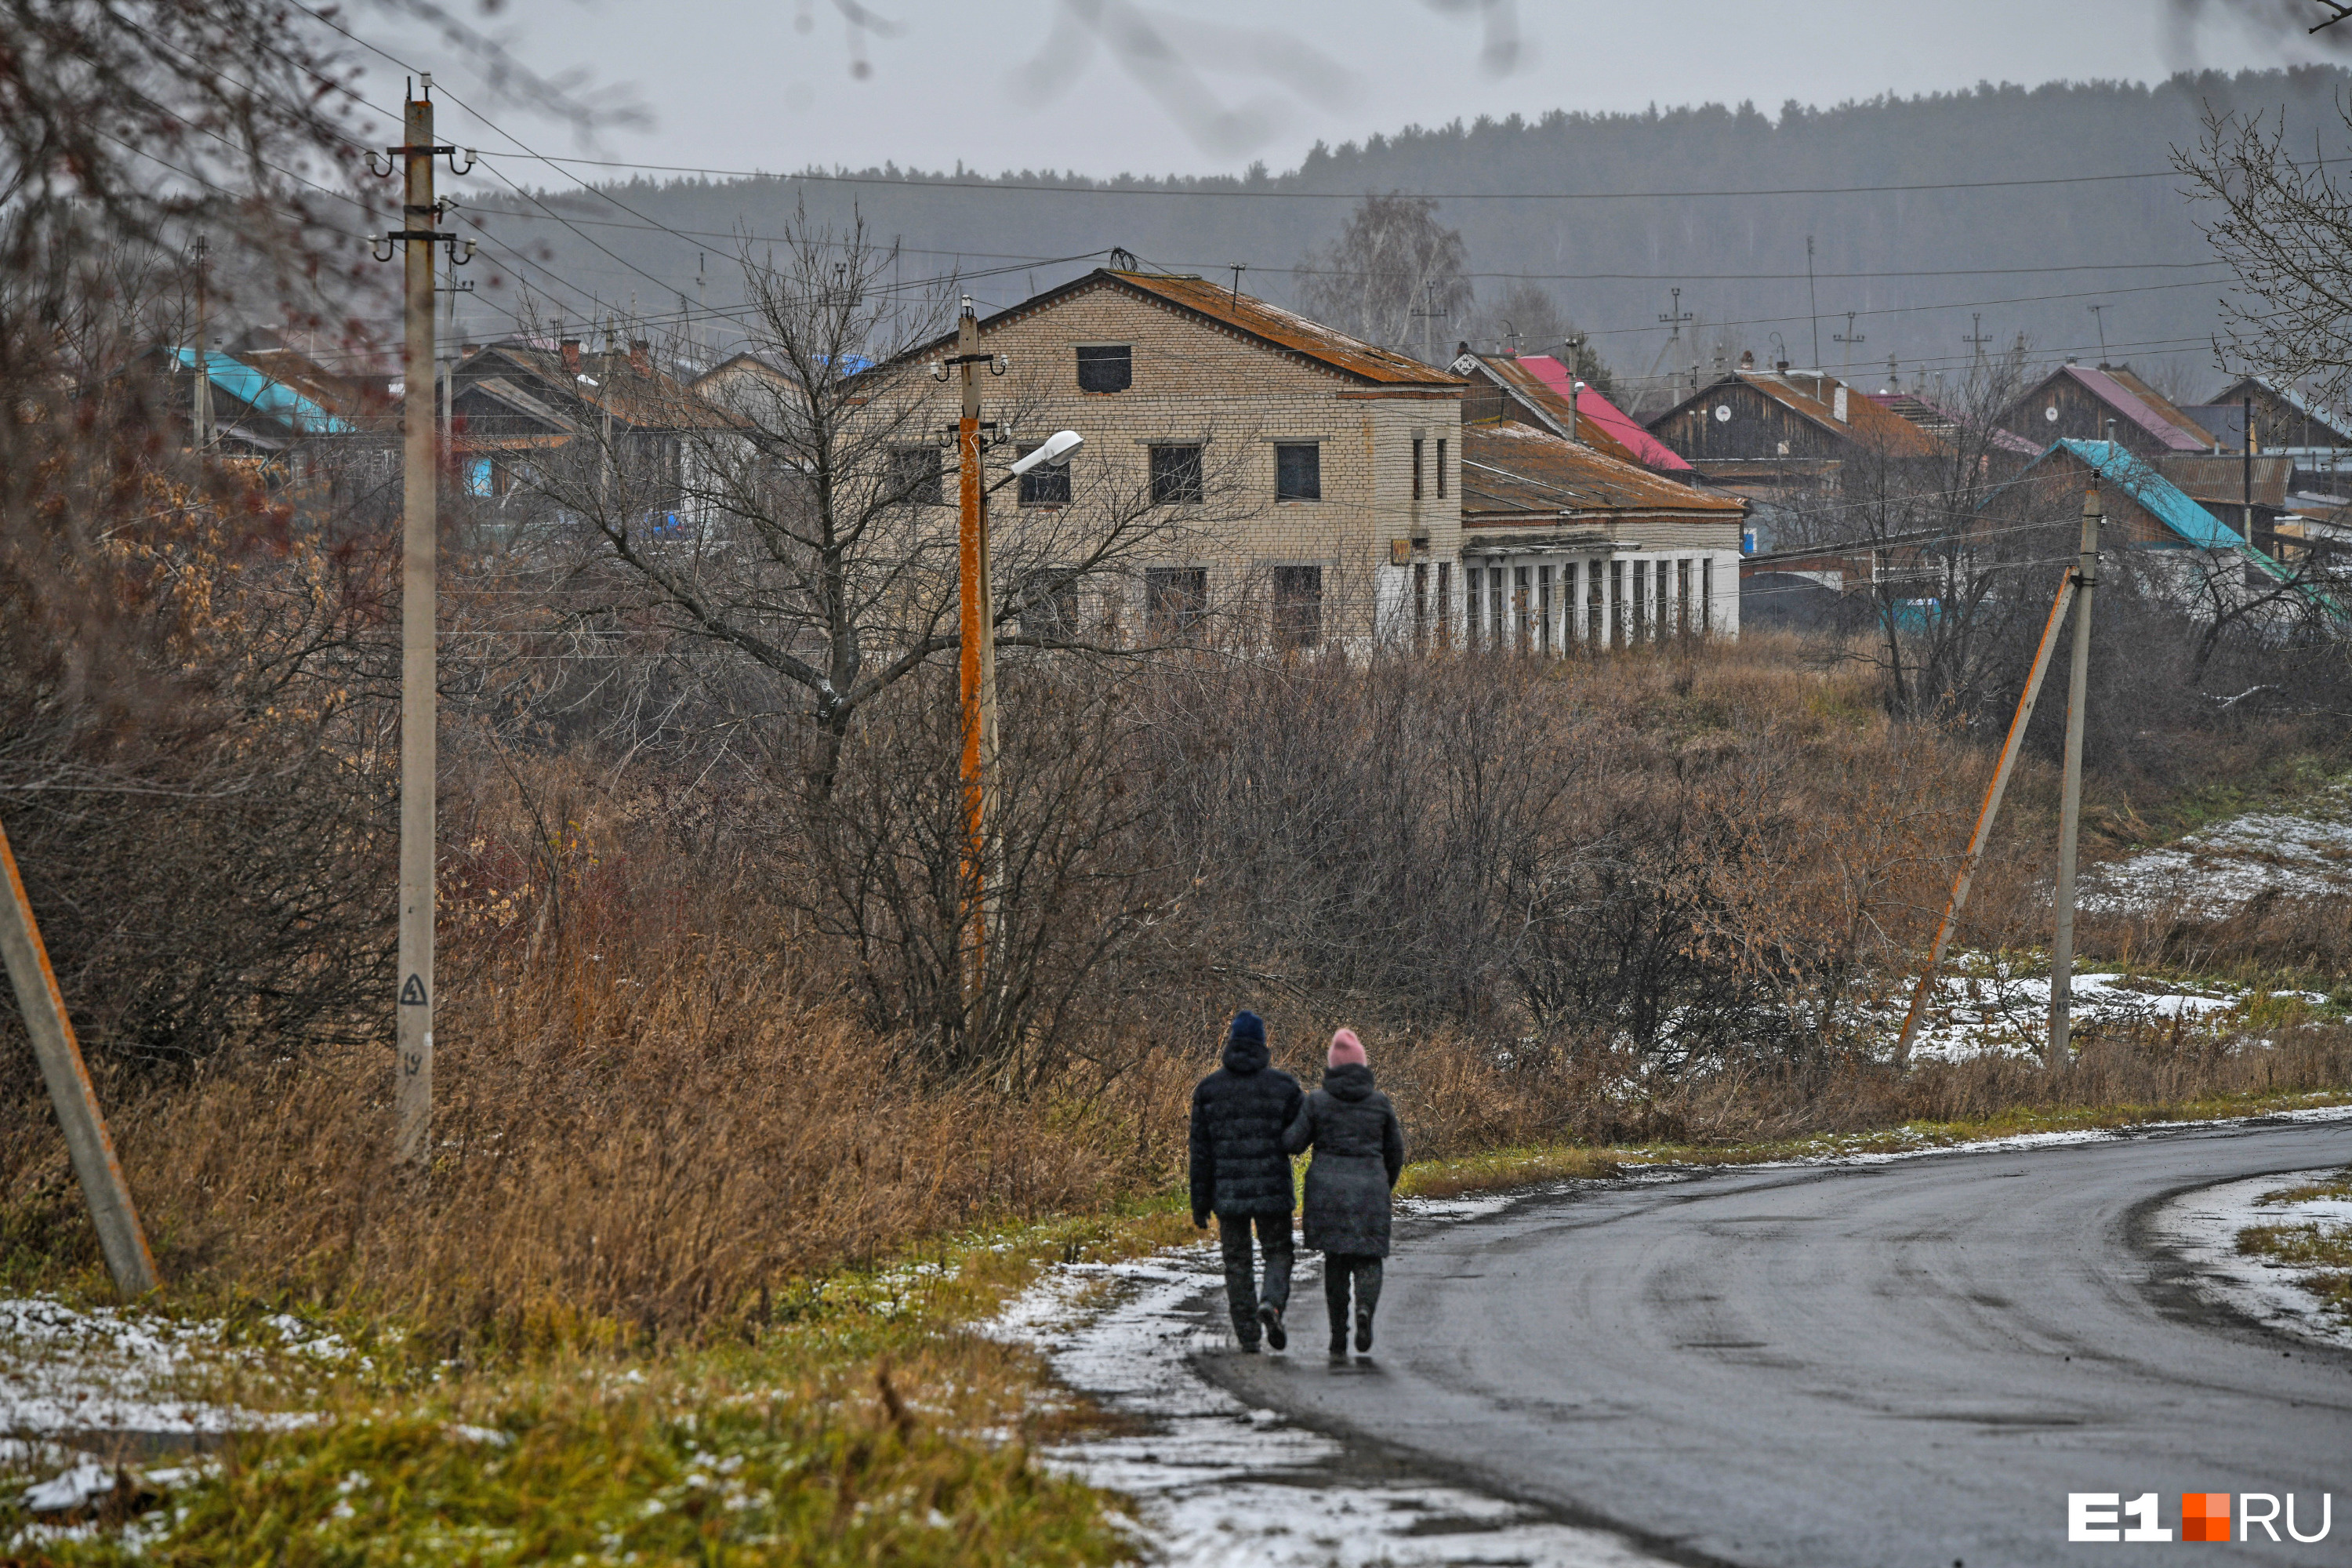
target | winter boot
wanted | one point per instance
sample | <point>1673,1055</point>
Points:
<point>1276,1336</point>
<point>1363,1333</point>
<point>1339,1349</point>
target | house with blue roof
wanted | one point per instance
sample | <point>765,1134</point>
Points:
<point>2150,513</point>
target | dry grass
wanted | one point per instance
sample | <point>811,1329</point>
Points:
<point>661,1116</point>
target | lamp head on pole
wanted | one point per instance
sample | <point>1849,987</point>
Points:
<point>1054,451</point>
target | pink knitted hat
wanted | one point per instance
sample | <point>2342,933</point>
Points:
<point>1347,1051</point>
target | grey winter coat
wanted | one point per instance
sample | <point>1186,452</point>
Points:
<point>1358,1155</point>
<point>1238,1115</point>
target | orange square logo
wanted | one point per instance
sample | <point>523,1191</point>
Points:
<point>2205,1516</point>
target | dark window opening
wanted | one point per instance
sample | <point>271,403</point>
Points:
<point>1441,467</point>
<point>1049,604</point>
<point>917,476</point>
<point>1298,472</point>
<point>1175,598</point>
<point>1416,467</point>
<point>1175,474</point>
<point>1106,367</point>
<point>1445,604</point>
<point>1298,606</point>
<point>1048,484</point>
<point>1420,603</point>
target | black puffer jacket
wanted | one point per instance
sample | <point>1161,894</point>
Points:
<point>1238,1115</point>
<point>1358,1155</point>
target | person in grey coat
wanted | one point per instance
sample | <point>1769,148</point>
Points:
<point>1240,1176</point>
<point>1358,1155</point>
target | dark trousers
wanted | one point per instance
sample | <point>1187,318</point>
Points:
<point>1242,1295</point>
<point>1338,1269</point>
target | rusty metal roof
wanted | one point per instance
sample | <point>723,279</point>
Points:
<point>1511,470</point>
<point>1269,324</point>
<point>1943,424</point>
<point>2222,482</point>
<point>1815,398</point>
<point>644,400</point>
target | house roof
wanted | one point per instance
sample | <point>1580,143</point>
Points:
<point>1519,470</point>
<point>1812,396</point>
<point>1605,418</point>
<point>644,400</point>
<point>1944,425</point>
<point>2231,398</point>
<point>1548,407</point>
<point>1270,325</point>
<point>2119,465</point>
<point>264,394</point>
<point>2177,431</point>
<point>2165,409</point>
<point>2223,480</point>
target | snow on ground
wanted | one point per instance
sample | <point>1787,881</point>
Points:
<point>1217,1484</point>
<point>2203,1228</point>
<point>2214,873</point>
<point>67,1370</point>
<point>1985,1007</point>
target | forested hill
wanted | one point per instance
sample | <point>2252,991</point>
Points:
<point>1918,263</point>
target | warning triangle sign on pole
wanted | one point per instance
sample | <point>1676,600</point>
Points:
<point>412,994</point>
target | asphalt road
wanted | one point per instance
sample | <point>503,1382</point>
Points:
<point>1903,1363</point>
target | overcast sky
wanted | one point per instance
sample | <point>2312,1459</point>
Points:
<point>1062,84</point>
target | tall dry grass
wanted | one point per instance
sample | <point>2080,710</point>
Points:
<point>664,1103</point>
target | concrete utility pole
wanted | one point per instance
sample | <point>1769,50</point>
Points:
<point>419,707</point>
<point>977,653</point>
<point>419,543</point>
<point>103,1188</point>
<point>201,406</point>
<point>2246,470</point>
<point>1812,301</point>
<point>2070,810</point>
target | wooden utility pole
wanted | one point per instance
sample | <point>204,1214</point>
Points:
<point>2070,810</point>
<point>977,655</point>
<point>76,1102</point>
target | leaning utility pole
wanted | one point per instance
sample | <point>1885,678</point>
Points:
<point>420,524</point>
<point>2070,810</point>
<point>976,654</point>
<point>43,1008</point>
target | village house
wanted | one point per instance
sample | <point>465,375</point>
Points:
<point>520,405</point>
<point>2077,403</point>
<point>1566,538</point>
<point>2284,423</point>
<point>1310,481</point>
<point>2201,560</point>
<point>1785,435</point>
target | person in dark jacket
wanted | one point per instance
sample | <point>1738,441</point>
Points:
<point>1358,1155</point>
<point>1240,1176</point>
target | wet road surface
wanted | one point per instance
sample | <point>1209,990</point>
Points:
<point>1875,1365</point>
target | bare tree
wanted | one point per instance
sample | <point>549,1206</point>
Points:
<point>809,534</point>
<point>1391,277</point>
<point>2286,228</point>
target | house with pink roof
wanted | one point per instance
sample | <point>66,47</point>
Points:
<point>2078,403</point>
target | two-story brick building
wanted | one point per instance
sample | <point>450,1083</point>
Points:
<point>1310,481</point>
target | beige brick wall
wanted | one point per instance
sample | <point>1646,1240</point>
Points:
<point>1197,381</point>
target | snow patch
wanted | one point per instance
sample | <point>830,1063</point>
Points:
<point>2212,874</point>
<point>66,1368</point>
<point>2202,1227</point>
<point>1219,1484</point>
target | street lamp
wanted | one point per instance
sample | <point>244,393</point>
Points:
<point>1052,454</point>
